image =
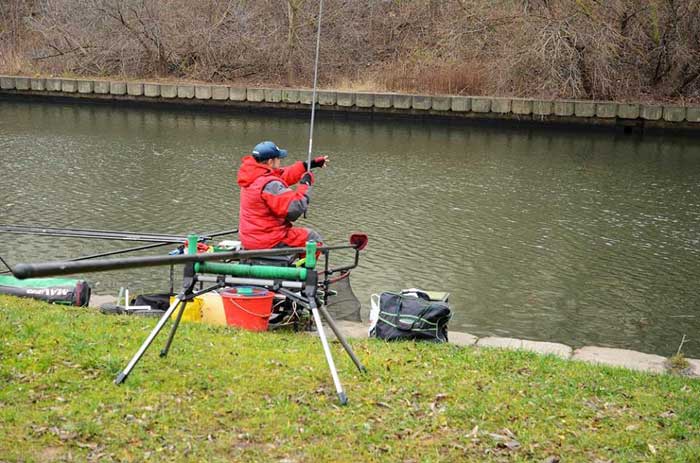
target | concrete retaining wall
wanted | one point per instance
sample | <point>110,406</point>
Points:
<point>599,113</point>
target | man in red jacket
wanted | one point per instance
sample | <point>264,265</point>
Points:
<point>268,204</point>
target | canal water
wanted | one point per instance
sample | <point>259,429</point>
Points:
<point>586,238</point>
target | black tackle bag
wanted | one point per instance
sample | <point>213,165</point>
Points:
<point>403,316</point>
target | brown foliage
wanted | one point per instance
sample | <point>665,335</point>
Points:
<point>617,49</point>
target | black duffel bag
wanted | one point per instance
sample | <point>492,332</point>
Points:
<point>409,317</point>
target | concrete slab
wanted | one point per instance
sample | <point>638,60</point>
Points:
<point>237,94</point>
<point>650,113</point>
<point>256,95</point>
<point>606,110</point>
<point>219,92</point>
<point>351,330</point>
<point>521,106</point>
<point>345,99</point>
<point>538,347</point>
<point>290,96</point>
<point>621,358</point>
<point>22,83</point>
<point>542,108</point>
<point>584,109</point>
<point>564,108</point>
<point>53,85</point>
<point>96,300</point>
<point>628,111</point>
<point>326,98</point>
<point>693,115</point>
<point>168,91</point>
<point>100,87</point>
<point>364,100</point>
<point>202,92</point>
<point>37,84</point>
<point>185,92</point>
<point>382,100</point>
<point>273,95</point>
<point>461,104</point>
<point>421,102</point>
<point>85,86</point>
<point>441,103</point>
<point>694,369</point>
<point>305,96</point>
<point>501,105</point>
<point>671,113</point>
<point>481,105</point>
<point>462,339</point>
<point>7,83</point>
<point>151,90</point>
<point>67,85</point>
<point>134,88</point>
<point>402,101</point>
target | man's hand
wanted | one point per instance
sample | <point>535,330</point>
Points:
<point>320,161</point>
<point>307,179</point>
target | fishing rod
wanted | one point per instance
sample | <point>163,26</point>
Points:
<point>134,249</point>
<point>44,269</point>
<point>313,94</point>
<point>97,234</point>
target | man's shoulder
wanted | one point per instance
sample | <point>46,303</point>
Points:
<point>275,186</point>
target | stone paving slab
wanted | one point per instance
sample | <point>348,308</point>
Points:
<point>237,94</point>
<point>521,106</point>
<point>693,115</point>
<point>501,105</point>
<point>168,91</point>
<point>694,367</point>
<point>185,91</point>
<point>37,84</point>
<point>219,92</point>
<point>7,82</point>
<point>151,90</point>
<point>97,300</point>
<point>380,100</point>
<point>606,110</point>
<point>101,87</point>
<point>461,104</point>
<point>481,105</point>
<point>421,102</point>
<point>85,86</point>
<point>202,92</point>
<point>134,88</point>
<point>273,95</point>
<point>402,101</point>
<point>650,113</point>
<point>542,108</point>
<point>22,83</point>
<point>584,109</point>
<point>628,111</point>
<point>462,339</point>
<point>326,98</point>
<point>630,359</point>
<point>442,103</point>
<point>544,348</point>
<point>255,94</point>
<point>345,99</point>
<point>290,96</point>
<point>364,100</point>
<point>68,85</point>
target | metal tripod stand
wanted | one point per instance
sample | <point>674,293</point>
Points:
<point>284,281</point>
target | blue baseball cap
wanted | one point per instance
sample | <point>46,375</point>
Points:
<point>268,150</point>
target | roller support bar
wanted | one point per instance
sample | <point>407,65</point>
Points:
<point>252,271</point>
<point>45,269</point>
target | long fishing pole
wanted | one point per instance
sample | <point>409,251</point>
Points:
<point>313,94</point>
<point>124,251</point>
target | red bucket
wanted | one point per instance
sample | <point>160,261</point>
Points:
<point>248,307</point>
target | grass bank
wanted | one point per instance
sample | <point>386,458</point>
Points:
<point>225,395</point>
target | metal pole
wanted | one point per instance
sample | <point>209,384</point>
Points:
<point>134,360</point>
<point>327,350</point>
<point>313,95</point>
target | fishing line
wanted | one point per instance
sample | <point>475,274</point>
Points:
<point>313,95</point>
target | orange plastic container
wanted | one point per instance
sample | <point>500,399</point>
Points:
<point>248,307</point>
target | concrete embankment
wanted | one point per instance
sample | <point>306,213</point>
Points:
<point>630,116</point>
<point>625,358</point>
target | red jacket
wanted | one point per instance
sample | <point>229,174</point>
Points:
<point>265,215</point>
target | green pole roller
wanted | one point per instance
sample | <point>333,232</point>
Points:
<point>192,248</point>
<point>253,271</point>
<point>311,254</point>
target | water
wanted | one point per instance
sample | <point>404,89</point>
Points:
<point>586,238</point>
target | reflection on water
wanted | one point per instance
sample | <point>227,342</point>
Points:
<point>583,238</point>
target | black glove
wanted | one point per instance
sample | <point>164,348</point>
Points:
<point>307,179</point>
<point>319,161</point>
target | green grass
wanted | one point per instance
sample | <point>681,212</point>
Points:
<point>225,394</point>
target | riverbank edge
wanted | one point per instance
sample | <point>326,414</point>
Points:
<point>631,117</point>
<point>629,359</point>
